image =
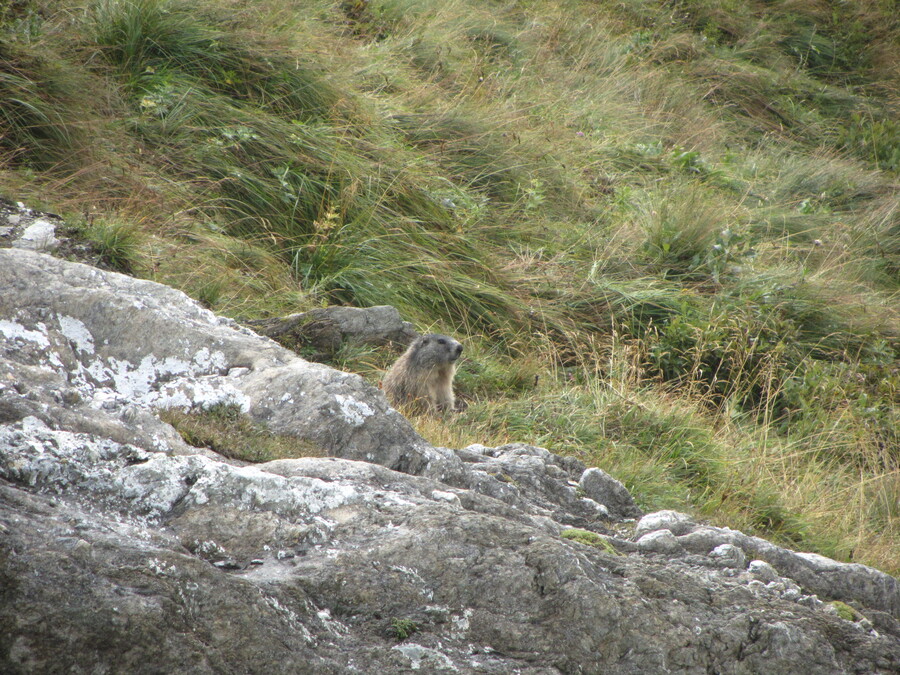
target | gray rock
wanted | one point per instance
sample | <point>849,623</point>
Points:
<point>703,539</point>
<point>677,523</point>
<point>40,235</point>
<point>21,227</point>
<point>816,574</point>
<point>126,347</point>
<point>659,541</point>
<point>124,550</point>
<point>604,489</point>
<point>534,479</point>
<point>327,329</point>
<point>762,571</point>
<point>302,565</point>
<point>729,555</point>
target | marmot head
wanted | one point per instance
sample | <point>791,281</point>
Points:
<point>439,348</point>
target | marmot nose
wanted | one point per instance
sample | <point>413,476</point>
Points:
<point>458,350</point>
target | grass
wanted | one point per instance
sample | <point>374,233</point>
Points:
<point>226,430</point>
<point>589,539</point>
<point>39,131</point>
<point>666,232</point>
<point>117,244</point>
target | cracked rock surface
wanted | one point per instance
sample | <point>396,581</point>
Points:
<point>122,549</point>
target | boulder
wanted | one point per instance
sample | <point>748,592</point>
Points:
<point>321,332</point>
<point>606,490</point>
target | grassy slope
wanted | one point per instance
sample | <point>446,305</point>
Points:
<point>667,231</point>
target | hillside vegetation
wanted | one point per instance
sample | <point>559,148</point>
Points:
<point>668,232</point>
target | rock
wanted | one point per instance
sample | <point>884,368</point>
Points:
<point>127,346</point>
<point>325,330</point>
<point>38,236</point>
<point>702,539</point>
<point>536,480</point>
<point>729,555</point>
<point>301,565</point>
<point>676,523</point>
<point>659,541</point>
<point>815,573</point>
<point>762,571</point>
<point>123,547</point>
<point>604,489</point>
<point>21,227</point>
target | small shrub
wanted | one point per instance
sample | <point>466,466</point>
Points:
<point>682,225</point>
<point>845,611</point>
<point>403,628</point>
<point>875,140</point>
<point>589,539</point>
<point>142,36</point>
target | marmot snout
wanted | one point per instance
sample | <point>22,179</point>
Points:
<point>423,375</point>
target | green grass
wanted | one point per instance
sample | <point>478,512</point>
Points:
<point>667,233</point>
<point>589,539</point>
<point>226,430</point>
<point>117,244</point>
<point>36,119</point>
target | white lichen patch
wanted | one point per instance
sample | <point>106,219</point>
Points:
<point>55,461</point>
<point>460,624</point>
<point>415,578</point>
<point>290,616</point>
<point>152,383</point>
<point>77,333</point>
<point>208,548</point>
<point>249,488</point>
<point>151,485</point>
<point>200,392</point>
<point>159,568</point>
<point>332,625</point>
<point>353,411</point>
<point>208,361</point>
<point>154,487</point>
<point>132,381</point>
<point>14,331</point>
<point>426,658</point>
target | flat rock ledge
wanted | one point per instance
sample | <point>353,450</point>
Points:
<point>122,549</point>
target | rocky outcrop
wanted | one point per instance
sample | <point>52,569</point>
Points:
<point>122,549</point>
<point>321,332</point>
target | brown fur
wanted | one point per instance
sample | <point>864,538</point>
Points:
<point>423,375</point>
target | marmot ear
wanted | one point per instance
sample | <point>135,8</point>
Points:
<point>424,341</point>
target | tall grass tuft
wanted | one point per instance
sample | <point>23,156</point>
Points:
<point>36,128</point>
<point>148,38</point>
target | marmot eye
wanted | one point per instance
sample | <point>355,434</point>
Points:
<point>442,341</point>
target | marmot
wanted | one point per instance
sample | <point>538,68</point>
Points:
<point>423,375</point>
